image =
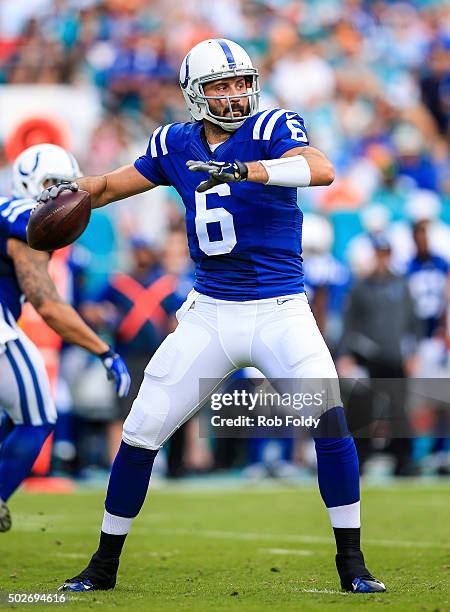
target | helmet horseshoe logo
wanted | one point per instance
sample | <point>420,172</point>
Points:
<point>23,173</point>
<point>186,78</point>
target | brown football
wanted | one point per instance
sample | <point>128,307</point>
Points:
<point>56,223</point>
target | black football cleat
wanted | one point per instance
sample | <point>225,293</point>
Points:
<point>5,517</point>
<point>354,575</point>
<point>99,575</point>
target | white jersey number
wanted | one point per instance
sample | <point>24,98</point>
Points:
<point>297,130</point>
<point>204,216</point>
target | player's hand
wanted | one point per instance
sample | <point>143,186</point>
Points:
<point>53,192</point>
<point>117,370</point>
<point>219,172</point>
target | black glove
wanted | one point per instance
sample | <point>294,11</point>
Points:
<point>53,192</point>
<point>219,172</point>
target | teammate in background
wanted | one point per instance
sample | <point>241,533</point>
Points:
<point>429,284</point>
<point>327,280</point>
<point>428,276</point>
<point>24,387</point>
<point>248,306</point>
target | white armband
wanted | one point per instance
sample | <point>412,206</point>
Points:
<point>288,171</point>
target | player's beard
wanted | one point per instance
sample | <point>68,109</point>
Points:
<point>239,109</point>
<point>242,105</point>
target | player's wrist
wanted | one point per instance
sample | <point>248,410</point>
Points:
<point>106,353</point>
<point>257,172</point>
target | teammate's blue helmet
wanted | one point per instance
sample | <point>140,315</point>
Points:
<point>213,59</point>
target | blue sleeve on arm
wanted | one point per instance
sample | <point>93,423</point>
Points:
<point>289,132</point>
<point>18,227</point>
<point>151,167</point>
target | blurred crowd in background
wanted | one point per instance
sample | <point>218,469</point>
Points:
<point>372,81</point>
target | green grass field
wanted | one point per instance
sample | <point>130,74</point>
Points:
<point>235,549</point>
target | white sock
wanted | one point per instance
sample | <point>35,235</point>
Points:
<point>345,516</point>
<point>116,525</point>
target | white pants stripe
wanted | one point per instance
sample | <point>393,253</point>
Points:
<point>24,386</point>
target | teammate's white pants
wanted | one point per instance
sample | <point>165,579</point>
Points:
<point>279,336</point>
<point>24,386</point>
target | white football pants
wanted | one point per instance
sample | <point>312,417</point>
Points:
<point>24,385</point>
<point>278,336</point>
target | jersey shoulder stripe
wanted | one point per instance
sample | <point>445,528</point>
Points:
<point>162,139</point>
<point>170,138</point>
<point>153,151</point>
<point>25,207</point>
<point>265,123</point>
<point>272,121</point>
<point>15,208</point>
<point>258,123</point>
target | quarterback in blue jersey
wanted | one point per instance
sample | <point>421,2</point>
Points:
<point>27,411</point>
<point>237,170</point>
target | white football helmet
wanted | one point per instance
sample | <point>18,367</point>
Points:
<point>40,163</point>
<point>214,59</point>
<point>317,233</point>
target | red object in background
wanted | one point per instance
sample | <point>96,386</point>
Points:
<point>48,342</point>
<point>33,131</point>
<point>55,485</point>
<point>423,420</point>
<point>8,46</point>
<point>41,466</point>
<point>342,195</point>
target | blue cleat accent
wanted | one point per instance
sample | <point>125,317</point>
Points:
<point>99,575</point>
<point>81,585</point>
<point>367,585</point>
<point>354,575</point>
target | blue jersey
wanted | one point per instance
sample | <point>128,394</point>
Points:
<point>324,270</point>
<point>428,286</point>
<point>245,238</point>
<point>14,215</point>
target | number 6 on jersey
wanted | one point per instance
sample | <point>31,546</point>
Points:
<point>205,216</point>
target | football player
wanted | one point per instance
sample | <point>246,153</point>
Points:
<point>25,396</point>
<point>237,170</point>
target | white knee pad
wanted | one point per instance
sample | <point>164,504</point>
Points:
<point>147,416</point>
<point>183,371</point>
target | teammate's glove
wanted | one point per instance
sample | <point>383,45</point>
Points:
<point>219,172</point>
<point>53,192</point>
<point>116,370</point>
